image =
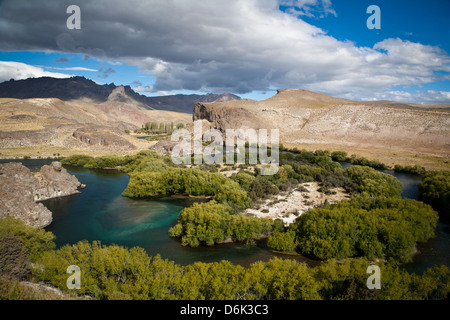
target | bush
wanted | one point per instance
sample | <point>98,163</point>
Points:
<point>211,222</point>
<point>36,241</point>
<point>248,229</point>
<point>336,180</point>
<point>261,188</point>
<point>191,182</point>
<point>410,169</point>
<point>147,161</point>
<point>361,161</point>
<point>371,227</point>
<point>14,260</point>
<point>373,182</point>
<point>205,223</point>
<point>78,160</point>
<point>120,273</point>
<point>245,180</point>
<point>231,194</point>
<point>107,162</point>
<point>339,156</point>
<point>282,241</point>
<point>434,189</point>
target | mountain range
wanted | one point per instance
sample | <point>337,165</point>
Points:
<point>75,88</point>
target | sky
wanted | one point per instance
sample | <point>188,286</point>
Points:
<point>247,47</point>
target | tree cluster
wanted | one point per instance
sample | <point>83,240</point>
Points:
<point>191,182</point>
<point>115,272</point>
<point>434,189</point>
<point>211,222</point>
<point>383,228</point>
<point>373,182</point>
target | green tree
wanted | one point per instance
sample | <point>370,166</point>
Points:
<point>339,156</point>
<point>373,182</point>
<point>283,241</point>
<point>372,227</point>
<point>434,189</point>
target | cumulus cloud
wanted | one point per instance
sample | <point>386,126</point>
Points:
<point>234,45</point>
<point>18,71</point>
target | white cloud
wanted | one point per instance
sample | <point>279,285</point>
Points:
<point>234,45</point>
<point>18,71</point>
<point>419,97</point>
<point>73,69</point>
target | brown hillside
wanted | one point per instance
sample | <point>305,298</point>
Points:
<point>310,119</point>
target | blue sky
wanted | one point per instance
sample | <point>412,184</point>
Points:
<point>427,22</point>
<point>250,48</point>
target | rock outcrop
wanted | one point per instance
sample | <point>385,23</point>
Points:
<point>54,181</point>
<point>102,137</point>
<point>305,117</point>
<point>21,191</point>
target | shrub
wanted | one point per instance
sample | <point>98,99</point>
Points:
<point>245,180</point>
<point>410,169</point>
<point>373,182</point>
<point>282,241</point>
<point>35,240</point>
<point>371,227</point>
<point>434,189</point>
<point>339,156</point>
<point>107,162</point>
<point>78,160</point>
<point>211,222</point>
<point>202,223</point>
<point>14,260</point>
<point>261,188</point>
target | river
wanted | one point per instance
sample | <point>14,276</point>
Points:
<point>99,212</point>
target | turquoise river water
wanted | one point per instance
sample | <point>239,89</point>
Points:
<point>99,212</point>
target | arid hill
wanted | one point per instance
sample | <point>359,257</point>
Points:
<point>50,126</point>
<point>316,121</point>
<point>46,116</point>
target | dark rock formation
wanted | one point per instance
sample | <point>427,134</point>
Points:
<point>20,189</point>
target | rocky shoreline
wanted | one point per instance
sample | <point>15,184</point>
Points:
<point>22,191</point>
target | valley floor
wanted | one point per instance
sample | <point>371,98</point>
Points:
<point>45,151</point>
<point>430,159</point>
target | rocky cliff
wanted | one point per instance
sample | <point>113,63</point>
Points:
<point>305,117</point>
<point>21,191</point>
<point>54,181</point>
